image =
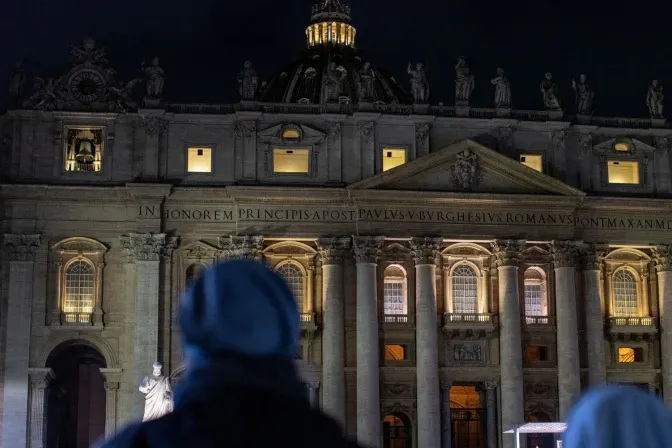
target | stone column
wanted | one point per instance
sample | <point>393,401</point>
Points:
<point>39,381</point>
<point>112,380</point>
<point>510,343</point>
<point>491,412</point>
<point>591,260</point>
<point>367,250</point>
<point>446,425</point>
<point>569,374</point>
<point>20,251</point>
<point>242,247</point>
<point>145,251</point>
<point>663,258</point>
<point>425,251</point>
<point>331,252</point>
<point>314,393</point>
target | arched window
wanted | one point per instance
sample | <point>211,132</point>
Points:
<point>294,278</point>
<point>465,290</point>
<point>535,292</point>
<point>193,271</point>
<point>395,301</point>
<point>79,292</point>
<point>625,294</point>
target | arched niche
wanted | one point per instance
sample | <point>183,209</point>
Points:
<point>627,254</point>
<point>80,244</point>
<point>397,430</point>
<point>466,249</point>
<point>60,341</point>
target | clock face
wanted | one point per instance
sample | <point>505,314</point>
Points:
<point>87,85</point>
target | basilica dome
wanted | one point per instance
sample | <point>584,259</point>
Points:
<point>332,69</point>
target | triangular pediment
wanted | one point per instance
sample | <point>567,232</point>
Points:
<point>274,134</point>
<point>199,251</point>
<point>467,166</point>
<point>635,146</point>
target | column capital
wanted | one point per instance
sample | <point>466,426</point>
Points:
<point>446,384</point>
<point>565,253</point>
<point>143,246</point>
<point>112,375</point>
<point>333,249</point>
<point>662,255</point>
<point>425,249</point>
<point>490,385</point>
<point>242,246</point>
<point>313,384</point>
<point>367,248</point>
<point>592,256</point>
<point>40,378</point>
<point>21,247</point>
<point>507,252</point>
<point>111,386</point>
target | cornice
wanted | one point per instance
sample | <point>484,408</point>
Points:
<point>631,204</point>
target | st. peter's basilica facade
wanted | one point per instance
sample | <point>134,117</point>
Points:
<point>459,270</point>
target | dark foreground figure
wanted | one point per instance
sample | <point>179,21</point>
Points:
<point>240,326</point>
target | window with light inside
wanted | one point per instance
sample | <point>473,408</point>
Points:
<point>199,160</point>
<point>291,161</point>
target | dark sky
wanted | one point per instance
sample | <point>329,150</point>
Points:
<point>203,43</point>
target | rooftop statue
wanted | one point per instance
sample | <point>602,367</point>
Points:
<point>419,83</point>
<point>17,79</point>
<point>333,83</point>
<point>654,99</point>
<point>248,81</point>
<point>155,78</point>
<point>158,394</point>
<point>584,96</point>
<point>502,90</point>
<point>365,79</point>
<point>464,82</point>
<point>549,91</point>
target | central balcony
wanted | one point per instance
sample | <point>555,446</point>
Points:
<point>632,328</point>
<point>308,325</point>
<point>469,325</point>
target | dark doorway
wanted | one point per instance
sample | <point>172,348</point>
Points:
<point>540,440</point>
<point>76,396</point>
<point>397,431</point>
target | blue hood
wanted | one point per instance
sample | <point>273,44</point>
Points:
<point>239,307</point>
<point>619,417</point>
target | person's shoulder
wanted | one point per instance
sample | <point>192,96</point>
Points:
<point>126,438</point>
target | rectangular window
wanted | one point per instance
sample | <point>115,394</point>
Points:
<point>393,157</point>
<point>533,161</point>
<point>84,147</point>
<point>533,301</point>
<point>291,161</point>
<point>393,302</point>
<point>627,355</point>
<point>623,172</point>
<point>199,160</point>
<point>536,353</point>
<point>395,352</point>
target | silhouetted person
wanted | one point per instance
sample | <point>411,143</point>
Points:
<point>240,325</point>
<point>618,417</point>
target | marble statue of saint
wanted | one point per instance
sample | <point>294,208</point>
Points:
<point>248,82</point>
<point>333,82</point>
<point>549,91</point>
<point>419,83</point>
<point>654,99</point>
<point>584,96</point>
<point>366,77</point>
<point>502,90</point>
<point>16,82</point>
<point>464,82</point>
<point>158,394</point>
<point>155,78</point>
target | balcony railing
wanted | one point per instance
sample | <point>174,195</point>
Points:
<point>307,317</point>
<point>395,318</point>
<point>308,323</point>
<point>456,318</point>
<point>538,321</point>
<point>632,328</point>
<point>76,319</point>
<point>631,322</point>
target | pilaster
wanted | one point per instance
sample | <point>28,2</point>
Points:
<point>663,259</point>
<point>39,381</point>
<point>112,382</point>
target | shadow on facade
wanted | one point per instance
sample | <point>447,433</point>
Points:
<point>76,396</point>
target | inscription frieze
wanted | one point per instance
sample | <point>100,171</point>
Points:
<point>446,215</point>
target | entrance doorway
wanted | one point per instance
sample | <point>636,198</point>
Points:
<point>467,417</point>
<point>540,440</point>
<point>76,396</point>
<point>397,431</point>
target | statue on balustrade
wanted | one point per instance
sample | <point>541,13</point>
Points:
<point>549,91</point>
<point>17,80</point>
<point>248,81</point>
<point>419,83</point>
<point>365,80</point>
<point>502,90</point>
<point>334,78</point>
<point>158,394</point>
<point>654,99</point>
<point>584,96</point>
<point>464,82</point>
<point>155,78</point>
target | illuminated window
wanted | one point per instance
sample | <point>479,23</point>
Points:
<point>623,172</point>
<point>199,160</point>
<point>629,355</point>
<point>83,149</point>
<point>535,292</point>
<point>394,291</point>
<point>395,352</point>
<point>393,157</point>
<point>532,161</point>
<point>625,294</point>
<point>536,353</point>
<point>291,161</point>
<point>291,134</point>
<point>622,145</point>
<point>79,292</point>
<point>294,278</point>
<point>465,290</point>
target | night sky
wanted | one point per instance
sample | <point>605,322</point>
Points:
<point>202,46</point>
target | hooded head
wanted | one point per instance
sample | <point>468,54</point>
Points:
<point>619,417</point>
<point>239,307</point>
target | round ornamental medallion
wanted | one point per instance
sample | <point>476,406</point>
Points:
<point>87,85</point>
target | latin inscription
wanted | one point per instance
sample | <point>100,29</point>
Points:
<point>346,215</point>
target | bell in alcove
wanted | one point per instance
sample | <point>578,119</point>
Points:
<point>85,152</point>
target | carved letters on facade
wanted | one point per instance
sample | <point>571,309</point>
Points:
<point>468,352</point>
<point>21,247</point>
<point>466,171</point>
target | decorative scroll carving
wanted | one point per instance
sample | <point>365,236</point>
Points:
<point>393,408</point>
<point>242,246</point>
<point>111,386</point>
<point>585,143</point>
<point>489,385</point>
<point>662,255</point>
<point>468,352</point>
<point>507,252</point>
<point>154,125</point>
<point>170,246</point>
<point>565,253</point>
<point>397,389</point>
<point>365,130</point>
<point>367,248</point>
<point>396,252</point>
<point>592,257</point>
<point>22,247</point>
<point>558,139</point>
<point>421,135</point>
<point>333,130</point>
<point>143,247</point>
<point>661,144</point>
<point>40,378</point>
<point>244,129</point>
<point>196,252</point>
<point>466,171</point>
<point>332,250</point>
<point>425,250</point>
